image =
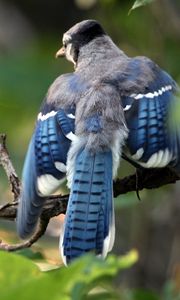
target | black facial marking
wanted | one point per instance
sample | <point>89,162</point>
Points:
<point>74,52</point>
<point>87,32</point>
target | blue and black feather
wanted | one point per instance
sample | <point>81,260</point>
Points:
<point>148,119</point>
<point>89,214</point>
<point>48,145</point>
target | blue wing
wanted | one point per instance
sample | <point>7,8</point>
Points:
<point>52,143</point>
<point>153,140</point>
<point>45,164</point>
<point>28,211</point>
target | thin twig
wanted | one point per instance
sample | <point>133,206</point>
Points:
<point>6,163</point>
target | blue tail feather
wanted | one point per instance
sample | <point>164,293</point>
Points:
<point>90,210</point>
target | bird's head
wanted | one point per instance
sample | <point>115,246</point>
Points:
<point>77,36</point>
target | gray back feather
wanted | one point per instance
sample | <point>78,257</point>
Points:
<point>100,71</point>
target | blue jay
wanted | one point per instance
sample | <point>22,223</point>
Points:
<point>111,104</point>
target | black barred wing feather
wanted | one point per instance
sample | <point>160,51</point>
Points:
<point>53,136</point>
<point>153,139</point>
<point>45,164</point>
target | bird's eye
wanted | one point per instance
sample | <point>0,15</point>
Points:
<point>65,45</point>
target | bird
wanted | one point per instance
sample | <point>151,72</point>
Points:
<point>111,106</point>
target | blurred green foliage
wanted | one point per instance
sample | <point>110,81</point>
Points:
<point>86,278</point>
<point>24,79</point>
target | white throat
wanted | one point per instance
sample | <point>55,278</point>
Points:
<point>69,55</point>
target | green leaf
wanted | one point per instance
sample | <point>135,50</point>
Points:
<point>139,294</point>
<point>139,3</point>
<point>103,296</point>
<point>144,295</point>
<point>15,271</point>
<point>29,253</point>
<point>21,279</point>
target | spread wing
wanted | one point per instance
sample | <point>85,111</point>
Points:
<point>153,139</point>
<point>45,163</point>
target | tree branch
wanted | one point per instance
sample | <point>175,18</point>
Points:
<point>43,223</point>
<point>145,179</point>
<point>55,205</point>
<point>6,163</point>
